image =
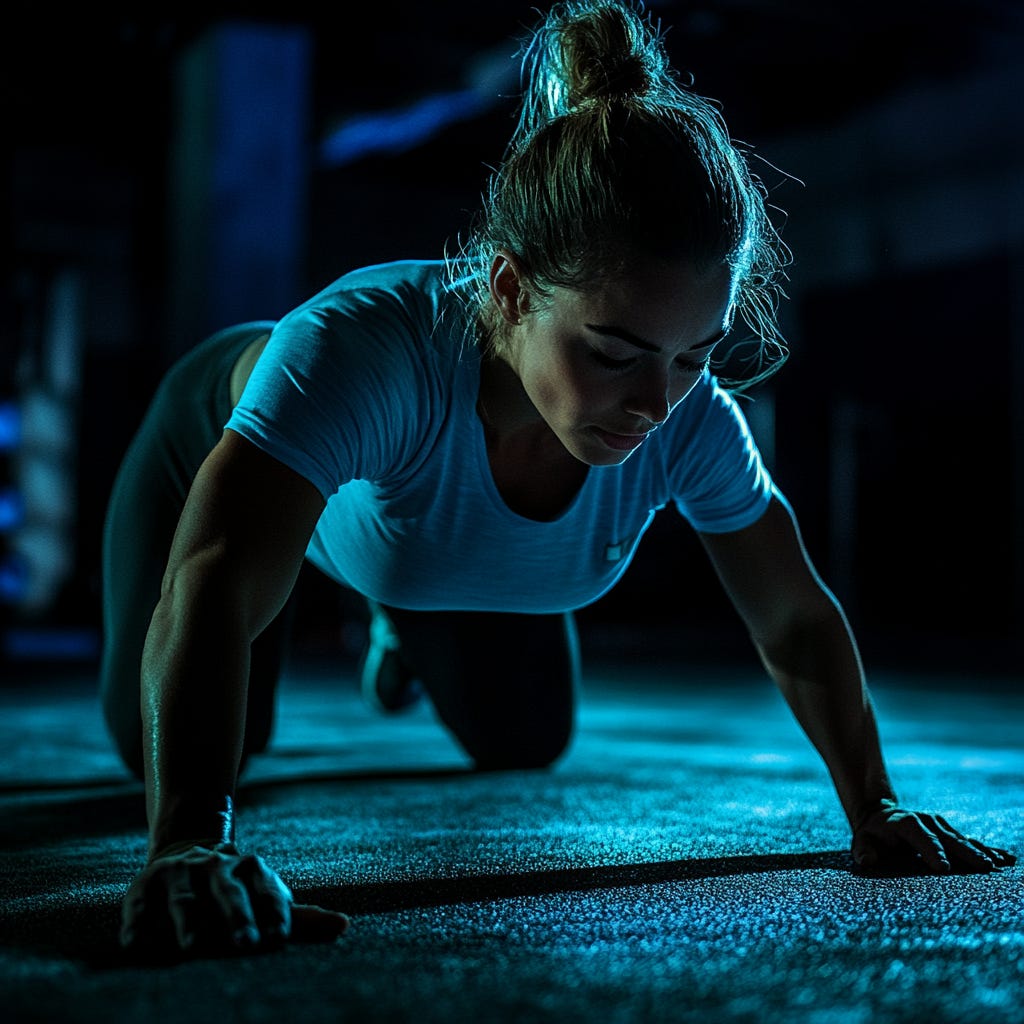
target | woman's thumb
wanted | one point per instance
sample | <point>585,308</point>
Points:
<point>315,924</point>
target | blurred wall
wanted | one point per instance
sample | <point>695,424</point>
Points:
<point>899,422</point>
<point>183,190</point>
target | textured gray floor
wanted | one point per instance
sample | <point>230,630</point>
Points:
<point>686,861</point>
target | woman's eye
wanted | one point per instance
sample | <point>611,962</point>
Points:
<point>619,364</point>
<point>697,368</point>
<point>612,364</point>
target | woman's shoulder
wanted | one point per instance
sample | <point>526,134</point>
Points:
<point>408,282</point>
<point>397,307</point>
<point>394,317</point>
<point>410,298</point>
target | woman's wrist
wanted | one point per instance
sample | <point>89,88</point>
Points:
<point>869,809</point>
<point>193,822</point>
<point>184,845</point>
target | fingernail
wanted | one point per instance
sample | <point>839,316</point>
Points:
<point>247,936</point>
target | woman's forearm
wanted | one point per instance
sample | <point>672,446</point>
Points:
<point>194,686</point>
<point>818,670</point>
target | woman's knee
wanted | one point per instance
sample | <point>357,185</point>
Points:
<point>503,684</point>
<point>532,745</point>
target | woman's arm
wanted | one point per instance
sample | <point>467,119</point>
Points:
<point>805,643</point>
<point>236,554</point>
<point>234,560</point>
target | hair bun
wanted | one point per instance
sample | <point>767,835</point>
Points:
<point>607,81</point>
<point>586,51</point>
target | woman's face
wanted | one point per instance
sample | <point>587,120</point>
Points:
<point>604,367</point>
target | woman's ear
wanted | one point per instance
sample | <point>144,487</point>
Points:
<point>508,289</point>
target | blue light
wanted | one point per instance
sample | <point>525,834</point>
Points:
<point>51,644</point>
<point>13,578</point>
<point>12,509</point>
<point>399,130</point>
<point>10,426</point>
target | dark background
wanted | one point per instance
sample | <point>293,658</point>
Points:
<point>167,175</point>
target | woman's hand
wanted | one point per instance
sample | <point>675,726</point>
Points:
<point>211,900</point>
<point>893,838</point>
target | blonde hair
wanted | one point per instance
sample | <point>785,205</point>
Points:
<point>614,160</point>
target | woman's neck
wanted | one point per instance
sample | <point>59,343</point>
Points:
<point>532,470</point>
<point>503,405</point>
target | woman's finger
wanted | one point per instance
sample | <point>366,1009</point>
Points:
<point>1004,857</point>
<point>913,831</point>
<point>315,924</point>
<point>233,907</point>
<point>971,852</point>
<point>987,856</point>
<point>182,902</point>
<point>270,898</point>
<point>965,851</point>
<point>998,856</point>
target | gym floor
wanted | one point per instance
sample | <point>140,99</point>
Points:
<point>685,861</point>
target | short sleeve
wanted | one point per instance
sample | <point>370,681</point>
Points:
<point>716,474</point>
<point>342,390</point>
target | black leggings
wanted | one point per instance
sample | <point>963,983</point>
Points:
<point>504,684</point>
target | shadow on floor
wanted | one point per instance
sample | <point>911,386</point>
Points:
<point>86,930</point>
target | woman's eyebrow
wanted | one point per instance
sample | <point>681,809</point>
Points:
<point>611,331</point>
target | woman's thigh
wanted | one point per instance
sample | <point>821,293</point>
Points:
<point>181,426</point>
<point>504,684</point>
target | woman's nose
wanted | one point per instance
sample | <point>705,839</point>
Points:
<point>649,396</point>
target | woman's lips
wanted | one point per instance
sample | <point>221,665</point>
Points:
<point>619,442</point>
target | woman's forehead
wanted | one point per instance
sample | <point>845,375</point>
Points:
<point>660,299</point>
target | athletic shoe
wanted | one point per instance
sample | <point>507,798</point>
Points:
<point>387,684</point>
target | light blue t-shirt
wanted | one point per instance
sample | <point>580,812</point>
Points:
<point>369,391</point>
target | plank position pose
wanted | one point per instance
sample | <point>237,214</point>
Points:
<point>476,445</point>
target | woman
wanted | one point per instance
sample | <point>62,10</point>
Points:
<point>476,447</point>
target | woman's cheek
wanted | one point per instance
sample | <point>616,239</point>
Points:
<point>584,390</point>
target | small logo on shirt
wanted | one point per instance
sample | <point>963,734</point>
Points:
<point>618,550</point>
